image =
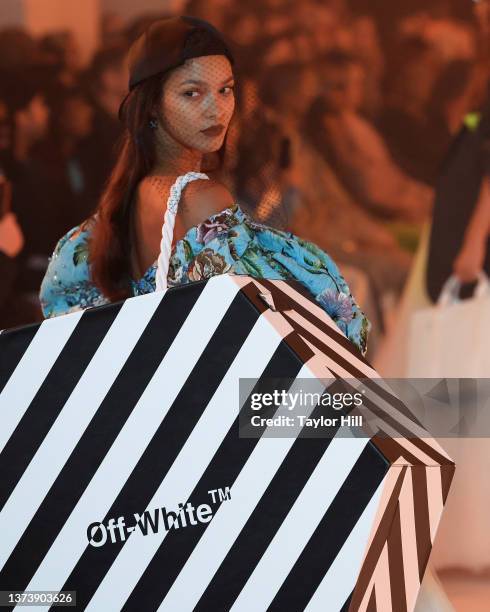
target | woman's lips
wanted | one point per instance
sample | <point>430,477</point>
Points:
<point>215,130</point>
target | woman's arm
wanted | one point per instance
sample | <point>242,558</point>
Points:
<point>67,285</point>
<point>11,237</point>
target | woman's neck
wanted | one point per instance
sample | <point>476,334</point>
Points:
<point>151,197</point>
<point>172,158</point>
<point>149,212</point>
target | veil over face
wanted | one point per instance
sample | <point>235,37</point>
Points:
<point>197,96</point>
<point>182,106</point>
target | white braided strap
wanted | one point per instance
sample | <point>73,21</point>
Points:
<point>168,226</point>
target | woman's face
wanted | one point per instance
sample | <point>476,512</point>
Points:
<point>197,96</point>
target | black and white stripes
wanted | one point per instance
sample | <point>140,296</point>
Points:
<point>134,406</point>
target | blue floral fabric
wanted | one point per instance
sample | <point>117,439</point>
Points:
<point>227,242</point>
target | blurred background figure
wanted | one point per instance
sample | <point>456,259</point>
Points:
<point>11,243</point>
<point>62,152</point>
<point>106,85</point>
<point>33,200</point>
<point>355,148</point>
<point>404,121</point>
<point>17,48</point>
<point>60,50</point>
<point>354,121</point>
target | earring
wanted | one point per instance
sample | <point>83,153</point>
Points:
<point>153,124</point>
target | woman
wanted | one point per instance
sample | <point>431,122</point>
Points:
<point>177,113</point>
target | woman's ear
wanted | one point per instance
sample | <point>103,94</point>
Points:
<point>155,112</point>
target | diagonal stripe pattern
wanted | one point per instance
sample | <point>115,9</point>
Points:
<point>131,410</point>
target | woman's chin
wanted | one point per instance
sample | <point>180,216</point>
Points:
<point>211,148</point>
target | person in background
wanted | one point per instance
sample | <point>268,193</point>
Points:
<point>11,243</point>
<point>450,101</point>
<point>61,51</point>
<point>460,238</point>
<point>34,200</point>
<point>107,80</point>
<point>263,171</point>
<point>13,311</point>
<point>245,30</point>
<point>17,49</point>
<point>403,121</point>
<point>319,207</point>
<point>356,150</point>
<point>59,153</point>
<point>460,248</point>
<point>324,211</point>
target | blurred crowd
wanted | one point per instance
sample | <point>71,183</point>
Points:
<point>344,113</point>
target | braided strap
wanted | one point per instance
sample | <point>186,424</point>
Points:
<point>168,226</point>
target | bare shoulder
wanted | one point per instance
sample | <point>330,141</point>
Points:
<point>206,197</point>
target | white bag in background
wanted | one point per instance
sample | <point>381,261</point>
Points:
<point>452,338</point>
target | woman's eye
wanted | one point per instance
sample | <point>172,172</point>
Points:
<point>190,92</point>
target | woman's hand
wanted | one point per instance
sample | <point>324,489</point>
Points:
<point>11,237</point>
<point>469,262</point>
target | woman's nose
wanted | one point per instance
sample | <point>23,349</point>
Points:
<point>215,106</point>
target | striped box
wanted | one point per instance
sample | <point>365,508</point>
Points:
<point>131,410</point>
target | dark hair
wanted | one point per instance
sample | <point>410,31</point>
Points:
<point>106,58</point>
<point>17,49</point>
<point>110,240</point>
<point>54,46</point>
<point>20,87</point>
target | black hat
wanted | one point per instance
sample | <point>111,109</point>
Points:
<point>168,43</point>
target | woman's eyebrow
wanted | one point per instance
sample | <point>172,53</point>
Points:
<point>197,82</point>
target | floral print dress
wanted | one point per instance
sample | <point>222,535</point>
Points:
<point>227,242</point>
